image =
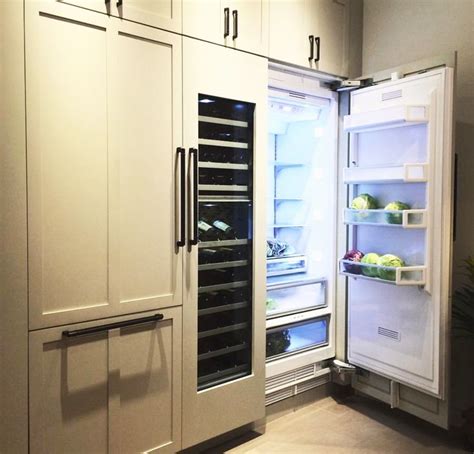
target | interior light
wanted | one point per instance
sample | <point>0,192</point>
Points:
<point>206,100</point>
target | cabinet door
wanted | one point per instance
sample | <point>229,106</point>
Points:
<point>204,19</point>
<point>249,23</point>
<point>288,41</point>
<point>116,390</point>
<point>104,116</point>
<point>67,50</point>
<point>224,322</point>
<point>164,14</point>
<point>329,22</point>
<point>144,133</point>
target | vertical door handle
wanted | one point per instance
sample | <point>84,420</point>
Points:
<point>226,22</point>
<point>317,41</point>
<point>193,152</point>
<point>181,156</point>
<point>235,17</point>
<point>455,196</point>
<point>311,47</point>
<point>119,3</point>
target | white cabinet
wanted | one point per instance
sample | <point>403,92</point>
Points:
<point>165,14</point>
<point>311,33</point>
<point>109,386</point>
<point>240,24</point>
<point>104,121</point>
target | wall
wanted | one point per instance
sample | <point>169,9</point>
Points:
<point>401,31</point>
<point>13,278</point>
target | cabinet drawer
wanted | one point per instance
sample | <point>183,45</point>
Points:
<point>109,390</point>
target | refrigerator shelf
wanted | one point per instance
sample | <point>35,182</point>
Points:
<point>288,264</point>
<point>219,265</point>
<point>288,199</point>
<point>222,165</point>
<point>222,351</point>
<point>218,243</point>
<point>282,283</point>
<point>406,173</point>
<point>222,330</point>
<point>227,285</point>
<point>287,164</point>
<point>288,226</point>
<point>223,308</point>
<point>223,187</point>
<point>389,117</point>
<point>400,275</point>
<point>407,219</point>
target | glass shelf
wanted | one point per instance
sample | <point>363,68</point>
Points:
<point>390,117</point>
<point>406,173</point>
<point>408,219</point>
<point>400,275</point>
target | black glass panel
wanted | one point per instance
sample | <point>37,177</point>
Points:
<point>225,240</point>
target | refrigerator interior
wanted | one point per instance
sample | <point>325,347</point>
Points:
<point>301,190</point>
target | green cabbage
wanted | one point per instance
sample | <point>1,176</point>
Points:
<point>364,202</point>
<point>395,218</point>
<point>371,258</point>
<point>389,260</point>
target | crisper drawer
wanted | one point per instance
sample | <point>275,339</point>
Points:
<point>293,338</point>
<point>108,386</point>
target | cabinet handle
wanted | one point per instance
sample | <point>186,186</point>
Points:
<point>226,22</point>
<point>235,17</point>
<point>181,155</point>
<point>194,238</point>
<point>101,328</point>
<point>317,41</point>
<point>311,47</point>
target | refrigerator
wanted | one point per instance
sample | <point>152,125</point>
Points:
<point>273,162</point>
<point>359,236</point>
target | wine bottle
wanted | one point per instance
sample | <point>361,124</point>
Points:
<point>207,232</point>
<point>208,256</point>
<point>225,230</point>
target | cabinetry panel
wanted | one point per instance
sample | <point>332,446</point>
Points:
<point>67,160</point>
<point>116,390</point>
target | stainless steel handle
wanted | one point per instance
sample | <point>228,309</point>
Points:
<point>311,47</point>
<point>317,41</point>
<point>235,17</point>
<point>226,22</point>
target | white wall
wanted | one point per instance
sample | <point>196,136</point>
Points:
<point>401,31</point>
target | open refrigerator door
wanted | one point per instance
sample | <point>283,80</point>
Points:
<point>399,227</point>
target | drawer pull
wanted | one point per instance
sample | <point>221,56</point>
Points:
<point>98,329</point>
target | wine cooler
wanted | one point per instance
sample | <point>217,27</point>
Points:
<point>224,224</point>
<point>225,134</point>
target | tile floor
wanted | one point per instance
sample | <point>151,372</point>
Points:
<point>354,425</point>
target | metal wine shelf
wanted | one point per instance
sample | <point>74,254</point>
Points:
<point>222,308</point>
<point>223,187</point>
<point>215,288</point>
<point>214,379</point>
<point>218,243</point>
<point>222,351</point>
<point>219,265</point>
<point>222,330</point>
<point>223,143</point>
<point>222,165</point>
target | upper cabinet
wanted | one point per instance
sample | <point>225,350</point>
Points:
<point>312,33</point>
<point>164,14</point>
<point>239,24</point>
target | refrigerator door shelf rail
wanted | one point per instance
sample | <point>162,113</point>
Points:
<point>406,173</point>
<point>400,275</point>
<point>389,117</point>
<point>407,219</point>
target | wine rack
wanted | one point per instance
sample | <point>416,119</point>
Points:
<point>225,206</point>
